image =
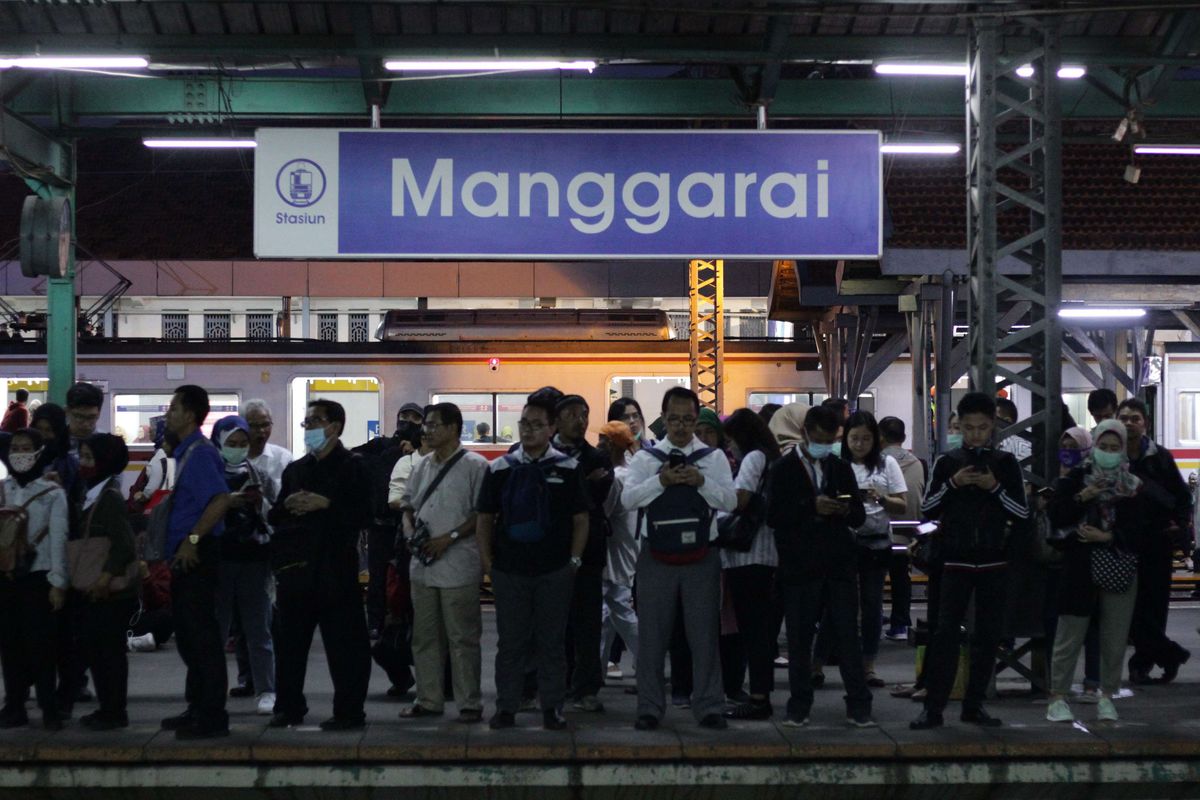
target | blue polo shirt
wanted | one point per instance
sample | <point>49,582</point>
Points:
<point>199,481</point>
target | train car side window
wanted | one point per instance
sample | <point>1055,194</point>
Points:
<point>134,415</point>
<point>813,397</point>
<point>488,417</point>
<point>358,394</point>
<point>1188,424</point>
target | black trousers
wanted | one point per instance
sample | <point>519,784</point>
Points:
<point>1148,630</point>
<point>584,666</point>
<point>750,588</point>
<point>27,653</point>
<point>381,548</point>
<point>72,672</point>
<point>901,583</point>
<point>941,658</point>
<point>680,655</point>
<point>198,636</point>
<point>803,602</point>
<point>321,596</point>
<point>105,653</point>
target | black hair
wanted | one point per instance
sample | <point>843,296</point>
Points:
<point>873,460</point>
<point>542,401</point>
<point>682,393</point>
<point>1137,405</point>
<point>192,398</point>
<point>547,393</point>
<point>749,432</point>
<point>448,414</point>
<point>482,428</point>
<point>838,404</point>
<point>977,403</point>
<point>1068,421</point>
<point>824,418</point>
<point>768,411</point>
<point>1006,405</point>
<point>54,414</point>
<point>568,400</point>
<point>82,395</point>
<point>616,409</point>
<point>333,410</point>
<point>22,395</point>
<point>1100,399</point>
<point>891,429</point>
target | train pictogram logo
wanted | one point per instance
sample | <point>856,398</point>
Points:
<point>300,183</point>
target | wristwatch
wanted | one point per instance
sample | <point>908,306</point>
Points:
<point>193,539</point>
<point>576,562</point>
<point>454,536</point>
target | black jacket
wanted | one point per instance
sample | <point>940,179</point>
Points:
<point>380,456</point>
<point>590,459</point>
<point>975,524</point>
<point>1168,499</point>
<point>812,546</point>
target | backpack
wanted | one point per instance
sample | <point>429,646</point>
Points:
<point>525,499</point>
<point>16,551</point>
<point>679,520</point>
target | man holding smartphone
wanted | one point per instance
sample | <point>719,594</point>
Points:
<point>976,492</point>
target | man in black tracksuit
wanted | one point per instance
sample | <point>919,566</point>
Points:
<point>1169,503</point>
<point>977,494</point>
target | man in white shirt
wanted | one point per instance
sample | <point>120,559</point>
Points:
<point>268,460</point>
<point>677,567</point>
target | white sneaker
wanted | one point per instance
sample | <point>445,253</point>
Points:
<point>614,671</point>
<point>1105,710</point>
<point>266,704</point>
<point>141,644</point>
<point>1059,711</point>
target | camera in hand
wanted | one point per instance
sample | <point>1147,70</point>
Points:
<point>416,545</point>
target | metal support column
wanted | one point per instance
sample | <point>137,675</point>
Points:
<point>706,331</point>
<point>1027,177</point>
<point>943,340</point>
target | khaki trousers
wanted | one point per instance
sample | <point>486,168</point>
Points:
<point>447,621</point>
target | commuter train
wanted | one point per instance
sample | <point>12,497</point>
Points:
<point>490,379</point>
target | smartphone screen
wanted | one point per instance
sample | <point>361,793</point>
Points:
<point>677,459</point>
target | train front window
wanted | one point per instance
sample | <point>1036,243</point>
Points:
<point>358,395</point>
<point>135,415</point>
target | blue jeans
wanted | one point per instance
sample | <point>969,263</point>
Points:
<point>244,585</point>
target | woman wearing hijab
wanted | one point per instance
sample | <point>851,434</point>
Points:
<point>112,599</point>
<point>788,425</point>
<point>1099,506</point>
<point>36,585</point>
<point>245,567</point>
<point>50,420</point>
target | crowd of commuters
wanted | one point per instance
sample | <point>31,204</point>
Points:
<point>697,549</point>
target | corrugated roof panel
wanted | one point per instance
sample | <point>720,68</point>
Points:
<point>341,19</point>
<point>101,21</point>
<point>416,20</point>
<point>1140,23</point>
<point>756,24</point>
<point>589,21</point>
<point>658,23</point>
<point>729,25</point>
<point>206,18</point>
<point>695,24</point>
<point>33,19</point>
<point>67,19</point>
<point>450,20</point>
<point>276,19</point>
<point>171,18</point>
<point>521,19</point>
<point>241,18</point>
<point>625,22</point>
<point>135,18</point>
<point>486,20</point>
<point>311,19</point>
<point>555,20</point>
<point>869,25</point>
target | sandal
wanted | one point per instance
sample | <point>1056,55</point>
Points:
<point>903,690</point>
<point>874,680</point>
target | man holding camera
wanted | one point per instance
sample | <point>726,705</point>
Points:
<point>438,508</point>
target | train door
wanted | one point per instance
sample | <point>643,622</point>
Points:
<point>648,391</point>
<point>358,395</point>
<point>133,414</point>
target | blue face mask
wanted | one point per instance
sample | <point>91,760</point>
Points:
<point>837,449</point>
<point>314,439</point>
<point>818,451</point>
<point>234,455</point>
<point>1070,457</point>
<point>953,441</point>
<point>1106,460</point>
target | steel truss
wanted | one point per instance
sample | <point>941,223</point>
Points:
<point>706,331</point>
<point>1026,179</point>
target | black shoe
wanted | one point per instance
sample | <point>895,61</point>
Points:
<point>373,634</point>
<point>178,722</point>
<point>818,680</point>
<point>646,723</point>
<point>96,721</point>
<point>82,696</point>
<point>246,690</point>
<point>13,717</point>
<point>977,716</point>
<point>196,732</point>
<point>553,721</point>
<point>344,724</point>
<point>281,720</point>
<point>927,721</point>
<point>1171,669</point>
<point>52,722</point>
<point>501,720</point>
<point>754,709</point>
<point>714,722</point>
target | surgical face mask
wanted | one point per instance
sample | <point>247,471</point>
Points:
<point>953,440</point>
<point>818,451</point>
<point>236,455</point>
<point>23,462</point>
<point>1106,460</point>
<point>314,439</point>
<point>836,449</point>
<point>1070,457</point>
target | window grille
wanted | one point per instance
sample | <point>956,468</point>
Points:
<point>359,327</point>
<point>217,326</point>
<point>327,327</point>
<point>174,326</point>
<point>260,327</point>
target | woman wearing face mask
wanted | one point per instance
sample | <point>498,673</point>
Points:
<point>112,600</point>
<point>1102,504</point>
<point>36,587</point>
<point>954,437</point>
<point>245,571</point>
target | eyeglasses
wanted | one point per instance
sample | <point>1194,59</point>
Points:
<point>684,421</point>
<point>314,422</point>
<point>527,425</point>
<point>260,426</point>
<point>433,426</point>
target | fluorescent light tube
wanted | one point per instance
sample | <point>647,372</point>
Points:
<point>1066,73</point>
<point>1101,313</point>
<point>1167,149</point>
<point>74,62</point>
<point>200,144</point>
<point>917,148</point>
<point>959,70</point>
<point>481,64</point>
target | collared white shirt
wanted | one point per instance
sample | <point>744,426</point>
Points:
<point>642,485</point>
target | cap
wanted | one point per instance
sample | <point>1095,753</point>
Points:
<point>411,407</point>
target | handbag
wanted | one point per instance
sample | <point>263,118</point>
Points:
<point>87,556</point>
<point>154,542</point>
<point>1113,570</point>
<point>737,529</point>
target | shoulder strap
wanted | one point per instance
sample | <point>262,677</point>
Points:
<point>659,454</point>
<point>699,454</point>
<point>42,493</point>
<point>438,478</point>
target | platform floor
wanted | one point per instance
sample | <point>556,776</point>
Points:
<point>1155,744</point>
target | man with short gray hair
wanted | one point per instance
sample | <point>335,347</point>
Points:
<point>267,459</point>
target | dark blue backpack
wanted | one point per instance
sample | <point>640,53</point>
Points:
<point>525,500</point>
<point>678,521</point>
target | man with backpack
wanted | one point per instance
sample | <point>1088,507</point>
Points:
<point>532,528</point>
<point>678,485</point>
